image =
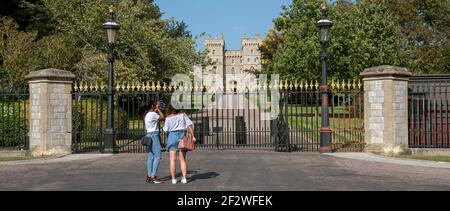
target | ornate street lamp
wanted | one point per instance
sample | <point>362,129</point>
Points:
<point>111,29</point>
<point>324,25</point>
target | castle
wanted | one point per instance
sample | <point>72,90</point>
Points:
<point>247,59</point>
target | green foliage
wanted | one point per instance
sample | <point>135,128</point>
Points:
<point>297,57</point>
<point>68,34</point>
<point>426,25</point>
<point>89,117</point>
<point>408,33</point>
<point>16,52</point>
<point>375,38</point>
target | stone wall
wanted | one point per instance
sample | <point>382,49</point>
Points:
<point>50,112</point>
<point>385,110</point>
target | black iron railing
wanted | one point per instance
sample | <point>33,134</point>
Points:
<point>233,120</point>
<point>428,107</point>
<point>14,118</point>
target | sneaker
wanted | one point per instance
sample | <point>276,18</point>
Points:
<point>156,181</point>
<point>153,180</point>
<point>174,181</point>
<point>184,180</point>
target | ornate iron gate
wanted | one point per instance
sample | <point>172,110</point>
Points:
<point>243,122</point>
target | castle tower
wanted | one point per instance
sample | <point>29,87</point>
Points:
<point>216,52</point>
<point>251,56</point>
<point>247,59</point>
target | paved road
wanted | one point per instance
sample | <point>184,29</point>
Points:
<point>226,170</point>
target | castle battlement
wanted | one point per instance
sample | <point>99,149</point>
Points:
<point>233,61</point>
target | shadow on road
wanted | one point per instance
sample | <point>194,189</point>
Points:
<point>195,176</point>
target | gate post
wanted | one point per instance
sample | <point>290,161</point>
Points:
<point>50,112</point>
<point>386,110</point>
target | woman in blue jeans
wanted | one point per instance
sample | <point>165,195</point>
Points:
<point>152,116</point>
<point>177,124</point>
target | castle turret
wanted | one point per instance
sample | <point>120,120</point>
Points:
<point>251,56</point>
<point>216,52</point>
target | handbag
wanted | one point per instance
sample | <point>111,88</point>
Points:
<point>186,143</point>
<point>146,141</point>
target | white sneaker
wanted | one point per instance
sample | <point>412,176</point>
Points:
<point>174,181</point>
<point>184,180</point>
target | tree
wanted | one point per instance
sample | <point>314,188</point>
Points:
<point>364,34</point>
<point>426,24</point>
<point>16,52</point>
<point>68,34</point>
<point>376,38</point>
<point>148,48</point>
<point>268,48</point>
<point>297,57</point>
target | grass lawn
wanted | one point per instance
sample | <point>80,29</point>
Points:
<point>14,158</point>
<point>431,158</point>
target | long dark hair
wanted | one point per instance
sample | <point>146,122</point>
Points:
<point>172,110</point>
<point>145,107</point>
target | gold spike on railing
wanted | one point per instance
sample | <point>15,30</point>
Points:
<point>332,85</point>
<point>153,87</point>
<point>85,87</point>
<point>75,87</point>
<point>96,87</point>
<point>359,84</point>
<point>158,86</point>
<point>317,85</point>
<point>90,87</point>
<point>146,86</point>
<point>349,85</point>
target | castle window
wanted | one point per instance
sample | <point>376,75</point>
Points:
<point>248,60</point>
<point>214,52</point>
<point>252,51</point>
<point>233,71</point>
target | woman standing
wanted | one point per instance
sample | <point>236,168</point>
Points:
<point>152,116</point>
<point>177,124</point>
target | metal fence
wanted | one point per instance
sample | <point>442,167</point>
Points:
<point>428,119</point>
<point>14,117</point>
<point>233,120</point>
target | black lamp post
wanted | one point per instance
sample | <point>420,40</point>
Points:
<point>324,25</point>
<point>111,28</point>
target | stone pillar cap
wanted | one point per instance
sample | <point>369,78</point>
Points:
<point>51,74</point>
<point>385,70</point>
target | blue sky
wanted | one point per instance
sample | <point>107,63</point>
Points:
<point>233,18</point>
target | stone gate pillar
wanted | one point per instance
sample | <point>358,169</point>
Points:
<point>50,112</point>
<point>386,110</point>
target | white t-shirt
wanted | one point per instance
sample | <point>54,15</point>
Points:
<point>151,122</point>
<point>177,122</point>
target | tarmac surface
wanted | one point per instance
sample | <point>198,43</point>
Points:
<point>227,170</point>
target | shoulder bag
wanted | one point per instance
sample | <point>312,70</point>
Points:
<point>186,143</point>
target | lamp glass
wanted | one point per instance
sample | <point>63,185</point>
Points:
<point>111,35</point>
<point>324,34</point>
